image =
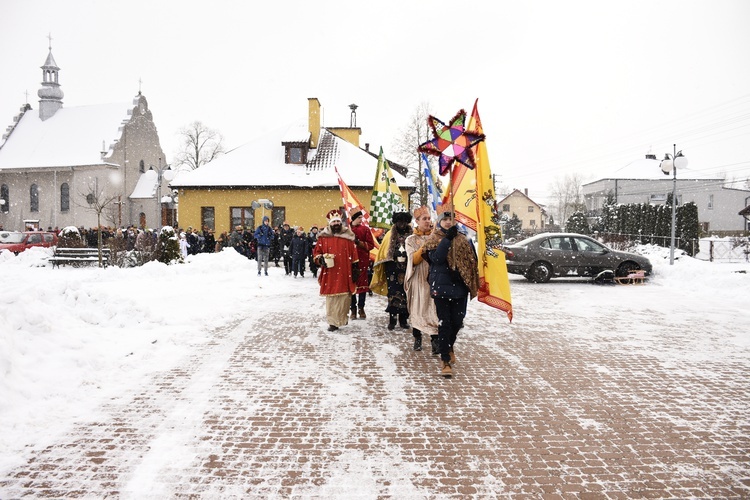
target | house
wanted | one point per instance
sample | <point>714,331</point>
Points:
<point>293,168</point>
<point>531,214</point>
<point>58,163</point>
<point>643,182</point>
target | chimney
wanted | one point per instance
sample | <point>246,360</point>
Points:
<point>313,120</point>
<point>367,147</point>
<point>526,191</point>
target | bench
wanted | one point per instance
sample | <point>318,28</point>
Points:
<point>633,278</point>
<point>79,256</point>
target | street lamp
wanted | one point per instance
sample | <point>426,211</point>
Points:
<point>167,173</point>
<point>263,202</point>
<point>668,165</point>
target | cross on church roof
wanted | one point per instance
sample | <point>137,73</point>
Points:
<point>139,86</point>
<point>49,35</point>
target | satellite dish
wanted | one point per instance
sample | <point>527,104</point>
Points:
<point>255,205</point>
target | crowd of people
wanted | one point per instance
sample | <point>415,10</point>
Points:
<point>427,273</point>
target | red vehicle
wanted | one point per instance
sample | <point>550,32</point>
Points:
<point>17,242</point>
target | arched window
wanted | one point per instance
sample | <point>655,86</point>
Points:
<point>5,196</point>
<point>64,197</point>
<point>34,198</point>
<point>142,166</point>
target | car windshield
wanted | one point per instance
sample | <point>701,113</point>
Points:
<point>11,237</point>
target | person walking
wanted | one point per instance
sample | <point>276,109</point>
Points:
<point>336,254</point>
<point>418,300</point>
<point>364,242</point>
<point>299,250</point>
<point>390,269</point>
<point>264,236</point>
<point>453,277</point>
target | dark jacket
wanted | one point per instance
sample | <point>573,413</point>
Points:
<point>264,235</point>
<point>299,248</point>
<point>444,282</point>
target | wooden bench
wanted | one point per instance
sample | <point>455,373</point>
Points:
<point>79,256</point>
<point>633,278</point>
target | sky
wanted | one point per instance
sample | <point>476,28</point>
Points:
<point>575,87</point>
<point>75,340</point>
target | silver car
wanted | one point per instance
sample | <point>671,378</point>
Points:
<point>554,255</point>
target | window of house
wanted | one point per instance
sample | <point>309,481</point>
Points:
<point>5,196</point>
<point>242,216</point>
<point>296,153</point>
<point>532,223</point>
<point>141,166</point>
<point>531,209</point>
<point>278,216</point>
<point>64,197</point>
<point>208,219</point>
<point>34,198</point>
<point>710,202</point>
<point>506,207</point>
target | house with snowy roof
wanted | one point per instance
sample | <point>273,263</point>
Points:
<point>531,214</point>
<point>288,174</point>
<point>643,181</point>
<point>58,163</point>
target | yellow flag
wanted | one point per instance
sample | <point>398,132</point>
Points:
<point>494,286</point>
<point>463,182</point>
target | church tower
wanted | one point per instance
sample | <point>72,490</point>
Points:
<point>50,95</point>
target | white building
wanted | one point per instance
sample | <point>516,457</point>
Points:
<point>643,182</point>
<point>53,160</point>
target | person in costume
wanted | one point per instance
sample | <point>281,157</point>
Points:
<point>365,242</point>
<point>453,277</point>
<point>337,281</point>
<point>418,300</point>
<point>390,269</point>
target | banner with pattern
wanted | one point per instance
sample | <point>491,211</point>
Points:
<point>386,196</point>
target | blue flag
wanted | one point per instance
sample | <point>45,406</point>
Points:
<point>432,194</point>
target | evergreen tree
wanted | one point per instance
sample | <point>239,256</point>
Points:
<point>168,246</point>
<point>577,223</point>
<point>687,227</point>
<point>513,227</point>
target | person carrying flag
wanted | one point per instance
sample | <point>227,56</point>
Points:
<point>453,278</point>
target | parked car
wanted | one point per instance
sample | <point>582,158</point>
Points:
<point>554,255</point>
<point>17,241</point>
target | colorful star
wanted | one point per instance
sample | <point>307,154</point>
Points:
<point>451,143</point>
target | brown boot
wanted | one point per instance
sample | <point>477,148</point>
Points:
<point>453,356</point>
<point>446,371</point>
<point>353,315</point>
<point>362,314</point>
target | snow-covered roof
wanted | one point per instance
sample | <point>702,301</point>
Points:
<point>646,169</point>
<point>262,163</point>
<point>146,186</point>
<point>71,137</point>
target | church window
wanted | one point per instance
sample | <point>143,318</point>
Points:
<point>5,196</point>
<point>64,197</point>
<point>142,166</point>
<point>34,198</point>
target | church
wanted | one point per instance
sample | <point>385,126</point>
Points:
<point>80,166</point>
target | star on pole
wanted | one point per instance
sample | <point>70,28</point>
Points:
<point>451,142</point>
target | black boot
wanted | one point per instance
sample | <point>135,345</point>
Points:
<point>392,322</point>
<point>417,340</point>
<point>434,344</point>
<point>402,321</point>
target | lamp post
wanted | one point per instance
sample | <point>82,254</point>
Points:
<point>668,165</point>
<point>167,173</point>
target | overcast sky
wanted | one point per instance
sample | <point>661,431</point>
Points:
<point>564,86</point>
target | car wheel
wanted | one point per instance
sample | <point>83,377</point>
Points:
<point>539,272</point>
<point>626,268</point>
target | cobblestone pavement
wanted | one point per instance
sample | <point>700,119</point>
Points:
<point>269,410</point>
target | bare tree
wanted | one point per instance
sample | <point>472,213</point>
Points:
<point>567,196</point>
<point>199,145</point>
<point>99,202</point>
<point>405,151</point>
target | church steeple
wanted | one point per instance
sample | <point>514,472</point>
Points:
<point>50,95</point>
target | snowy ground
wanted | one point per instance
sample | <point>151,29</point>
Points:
<point>73,339</point>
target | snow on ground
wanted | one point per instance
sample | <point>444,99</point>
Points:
<point>73,338</point>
